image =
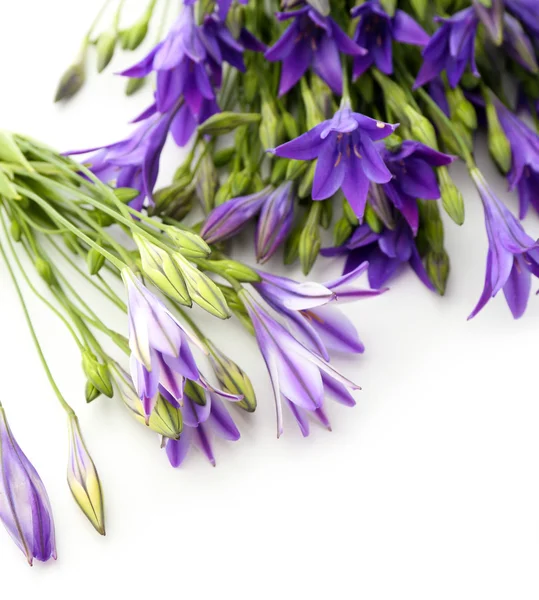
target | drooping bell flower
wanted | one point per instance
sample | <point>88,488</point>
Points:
<point>412,167</point>
<point>451,48</point>
<point>25,509</point>
<point>524,142</point>
<point>311,40</point>
<point>348,158</point>
<point>513,256</point>
<point>376,31</point>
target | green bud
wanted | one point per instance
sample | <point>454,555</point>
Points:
<point>207,181</point>
<point>251,86</point>
<point>224,192</point>
<point>195,392</point>
<point>71,242</point>
<point>236,305</point>
<point>349,214</point>
<point>187,243</point>
<point>313,114</point>
<point>365,87</point>
<point>498,144</point>
<point>268,130</point>
<point>290,125</point>
<point>105,45</point>
<point>432,226</point>
<point>134,36</point>
<point>372,219</point>
<point>202,289</point>
<point>420,8</point>
<point>291,245</point>
<point>225,122</point>
<point>134,84</point>
<point>222,157</point>
<point>125,194</point>
<point>158,265</point>
<point>91,393</point>
<point>394,95</point>
<point>381,206</point>
<point>71,82</point>
<point>306,183</point>
<point>326,215</point>
<point>310,240</point>
<point>295,169</point>
<point>103,219</point>
<point>232,378</point>
<point>97,373</point>
<point>240,182</point>
<point>183,173</point>
<point>7,189</point>
<point>95,261</point>
<point>342,231</point>
<point>11,153</point>
<point>173,199</point>
<point>237,270</point>
<point>278,172</point>
<point>15,230</point>
<point>437,266</point>
<point>452,199</point>
<point>44,269</point>
<point>421,128</point>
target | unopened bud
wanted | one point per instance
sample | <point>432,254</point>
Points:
<point>95,261</point>
<point>189,244</point>
<point>290,125</point>
<point>11,153</point>
<point>437,266</point>
<point>7,189</point>
<point>45,271</point>
<point>97,373</point>
<point>237,270</point>
<point>278,172</point>
<point>498,144</point>
<point>225,122</point>
<point>349,214</point>
<point>310,240</point>
<point>342,231</point>
<point>71,82</point>
<point>461,108</point>
<point>232,378</point>
<point>240,182</point>
<point>134,84</point>
<point>125,194</point>
<point>222,157</point>
<point>432,226</point>
<point>306,183</point>
<point>268,131</point>
<point>313,114</point>
<point>372,219</point>
<point>15,230</point>
<point>106,43</point>
<point>91,393</point>
<point>132,37</point>
<point>452,199</point>
<point>295,169</point>
<point>291,246</point>
<point>421,128</point>
<point>207,181</point>
<point>326,215</point>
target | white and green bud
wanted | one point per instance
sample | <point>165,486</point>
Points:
<point>240,182</point>
<point>7,188</point>
<point>498,144</point>
<point>97,373</point>
<point>132,37</point>
<point>452,199</point>
<point>15,230</point>
<point>237,270</point>
<point>420,127</point>
<point>187,243</point>
<point>461,108</point>
<point>158,265</point>
<point>342,231</point>
<point>306,183</point>
<point>310,241</point>
<point>313,114</point>
<point>223,157</point>
<point>269,126</point>
<point>437,266</point>
<point>45,271</point>
<point>91,393</point>
<point>11,153</point>
<point>105,45</point>
<point>295,169</point>
<point>225,122</point>
<point>202,290</point>
<point>95,261</point>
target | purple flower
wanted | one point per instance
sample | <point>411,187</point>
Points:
<point>25,509</point>
<point>526,11</point>
<point>322,328</point>
<point>299,376</point>
<point>513,256</point>
<point>518,45</point>
<point>376,31</point>
<point>276,208</point>
<point>133,162</point>
<point>347,156</point>
<point>199,421</point>
<point>413,177</point>
<point>524,174</point>
<point>222,5</point>
<point>437,93</point>
<point>451,49</point>
<point>311,40</point>
<point>385,252</point>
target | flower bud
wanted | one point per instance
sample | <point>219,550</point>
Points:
<point>11,153</point>
<point>372,219</point>
<point>91,393</point>
<point>518,45</point>
<point>125,194</point>
<point>105,45</point>
<point>291,246</point>
<point>326,215</point>
<point>237,270</point>
<point>437,266</point>
<point>420,8</point>
<point>71,82</point>
<point>232,379</point>
<point>202,289</point>
<point>295,169</point>
<point>432,226</point>
<point>134,84</point>
<point>236,305</point>
<point>225,122</point>
<point>95,261</point>
<point>44,269</point>
<point>132,37</point>
<point>160,268</point>
<point>275,222</point>
<point>310,240</point>
<point>290,125</point>
<point>342,231</point>
<point>174,200</point>
<point>15,230</point>
<point>498,144</point>
<point>452,199</point>
<point>224,193</point>
<point>269,125</point>
<point>421,128</point>
<point>7,189</point>
<point>313,114</point>
<point>83,479</point>
<point>278,172</point>
<point>349,214</point>
<point>187,243</point>
<point>461,108</point>
<point>306,184</point>
<point>222,157</point>
<point>97,373</point>
<point>240,182</point>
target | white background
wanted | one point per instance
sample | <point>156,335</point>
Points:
<point>429,488</point>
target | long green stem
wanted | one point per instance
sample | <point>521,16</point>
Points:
<point>39,350</point>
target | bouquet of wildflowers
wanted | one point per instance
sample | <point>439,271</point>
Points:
<point>330,125</point>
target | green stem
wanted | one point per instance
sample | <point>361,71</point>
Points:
<point>39,350</point>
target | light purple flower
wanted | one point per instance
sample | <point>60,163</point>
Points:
<point>451,49</point>
<point>199,422</point>
<point>412,167</point>
<point>346,153</point>
<point>311,40</point>
<point>524,174</point>
<point>376,31</point>
<point>300,377</point>
<point>513,256</point>
<point>526,11</point>
<point>25,509</point>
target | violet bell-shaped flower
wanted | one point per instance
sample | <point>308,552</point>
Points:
<point>348,158</point>
<point>376,31</point>
<point>25,509</point>
<point>451,48</point>
<point>311,40</point>
<point>524,142</point>
<point>200,421</point>
<point>300,377</point>
<point>513,256</point>
<point>412,167</point>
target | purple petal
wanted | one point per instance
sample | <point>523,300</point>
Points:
<point>330,171</point>
<point>305,147</point>
<point>177,449</point>
<point>517,288</point>
<point>407,30</point>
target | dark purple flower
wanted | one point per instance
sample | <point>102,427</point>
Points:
<point>299,376</point>
<point>199,422</point>
<point>513,256</point>
<point>346,153</point>
<point>311,40</point>
<point>524,174</point>
<point>412,167</point>
<point>376,31</point>
<point>451,49</point>
<point>276,208</point>
<point>526,11</point>
<point>133,162</point>
<point>25,509</point>
<point>437,93</point>
<point>386,253</point>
